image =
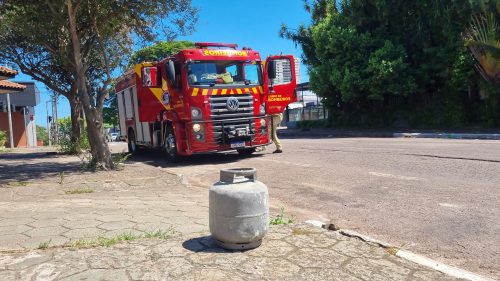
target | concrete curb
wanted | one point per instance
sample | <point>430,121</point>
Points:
<point>361,134</point>
<point>418,259</point>
<point>448,136</point>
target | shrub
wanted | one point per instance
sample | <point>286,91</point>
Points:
<point>3,138</point>
<point>66,144</point>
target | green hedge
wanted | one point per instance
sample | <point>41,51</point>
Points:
<point>3,139</point>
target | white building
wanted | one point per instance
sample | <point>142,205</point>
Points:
<point>283,71</point>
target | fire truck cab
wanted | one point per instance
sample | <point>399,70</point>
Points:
<point>211,98</point>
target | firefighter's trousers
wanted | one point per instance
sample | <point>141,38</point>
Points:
<point>277,118</point>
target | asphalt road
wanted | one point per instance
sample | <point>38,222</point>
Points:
<point>438,198</point>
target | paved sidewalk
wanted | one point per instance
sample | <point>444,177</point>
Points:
<point>295,252</point>
<point>40,212</point>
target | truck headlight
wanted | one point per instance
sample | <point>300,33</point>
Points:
<point>196,128</point>
<point>196,113</point>
<point>262,109</point>
<point>262,122</point>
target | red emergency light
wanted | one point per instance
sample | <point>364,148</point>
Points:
<point>206,45</point>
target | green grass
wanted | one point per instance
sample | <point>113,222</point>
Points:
<point>18,183</point>
<point>281,219</point>
<point>103,241</point>
<point>119,160</point>
<point>61,177</point>
<point>79,191</point>
<point>160,234</point>
<point>44,245</point>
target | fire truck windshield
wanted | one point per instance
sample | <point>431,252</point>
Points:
<point>224,73</point>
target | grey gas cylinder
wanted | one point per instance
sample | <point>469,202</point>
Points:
<point>239,209</point>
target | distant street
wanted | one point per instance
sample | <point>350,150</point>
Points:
<point>438,198</point>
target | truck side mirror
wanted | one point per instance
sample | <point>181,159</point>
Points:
<point>170,71</point>
<point>271,69</point>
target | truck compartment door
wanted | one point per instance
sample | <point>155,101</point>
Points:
<point>121,114</point>
<point>282,89</point>
<point>139,130</point>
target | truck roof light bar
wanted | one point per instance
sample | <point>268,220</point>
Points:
<point>206,45</point>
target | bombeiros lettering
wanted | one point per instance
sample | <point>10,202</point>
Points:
<point>238,53</point>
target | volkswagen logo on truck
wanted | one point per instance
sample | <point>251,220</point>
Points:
<point>232,104</point>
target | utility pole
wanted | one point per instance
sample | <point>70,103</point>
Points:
<point>56,123</point>
<point>48,121</point>
<point>11,133</point>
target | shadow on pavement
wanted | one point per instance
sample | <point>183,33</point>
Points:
<point>204,244</point>
<point>158,159</point>
<point>33,165</point>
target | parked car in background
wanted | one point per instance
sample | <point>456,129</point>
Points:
<point>115,136</point>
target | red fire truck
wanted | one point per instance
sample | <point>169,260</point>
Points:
<point>213,97</point>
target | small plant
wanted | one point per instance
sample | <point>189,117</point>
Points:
<point>160,234</point>
<point>61,178</point>
<point>126,237</point>
<point>79,191</point>
<point>103,241</point>
<point>392,250</point>
<point>119,159</point>
<point>44,245</point>
<point>18,183</point>
<point>3,139</point>
<point>280,218</point>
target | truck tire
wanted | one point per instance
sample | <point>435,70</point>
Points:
<point>246,151</point>
<point>133,148</point>
<point>171,145</point>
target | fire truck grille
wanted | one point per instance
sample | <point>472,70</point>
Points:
<point>224,119</point>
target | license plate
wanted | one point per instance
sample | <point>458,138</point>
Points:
<point>237,144</point>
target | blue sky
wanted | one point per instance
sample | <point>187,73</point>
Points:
<point>253,24</point>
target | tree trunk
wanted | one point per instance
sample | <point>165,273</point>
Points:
<point>76,128</point>
<point>101,156</point>
<point>98,144</point>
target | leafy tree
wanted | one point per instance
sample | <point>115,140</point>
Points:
<point>385,63</point>
<point>41,134</point>
<point>159,51</point>
<point>43,57</point>
<point>155,52</point>
<point>94,38</point>
<point>110,111</point>
<point>3,139</point>
<point>66,144</point>
<point>483,40</point>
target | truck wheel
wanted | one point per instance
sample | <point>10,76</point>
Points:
<point>132,145</point>
<point>171,145</point>
<point>246,151</point>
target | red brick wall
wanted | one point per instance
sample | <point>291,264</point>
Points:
<point>17,126</point>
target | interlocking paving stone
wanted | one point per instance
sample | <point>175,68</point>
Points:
<point>46,231</point>
<point>144,198</point>
<point>83,233</point>
<point>37,241</point>
<point>116,225</point>
<point>14,229</point>
<point>85,223</point>
<point>188,258</point>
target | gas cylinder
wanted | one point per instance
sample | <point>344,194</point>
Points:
<point>238,209</point>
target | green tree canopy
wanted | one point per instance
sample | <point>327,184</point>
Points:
<point>159,51</point>
<point>382,62</point>
<point>93,38</point>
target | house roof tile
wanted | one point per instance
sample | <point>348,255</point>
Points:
<point>7,71</point>
<point>7,85</point>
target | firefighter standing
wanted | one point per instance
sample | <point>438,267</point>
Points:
<point>277,118</point>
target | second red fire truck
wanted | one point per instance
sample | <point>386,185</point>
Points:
<point>213,97</point>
